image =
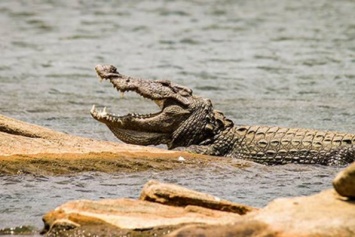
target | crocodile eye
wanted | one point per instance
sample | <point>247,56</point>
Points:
<point>184,92</point>
<point>112,69</point>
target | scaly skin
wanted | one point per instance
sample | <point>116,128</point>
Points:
<point>277,145</point>
<point>190,122</point>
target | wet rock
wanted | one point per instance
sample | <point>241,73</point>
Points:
<point>175,195</point>
<point>63,225</point>
<point>344,182</point>
<point>19,230</point>
<point>124,214</point>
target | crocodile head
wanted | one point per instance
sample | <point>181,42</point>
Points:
<point>183,120</point>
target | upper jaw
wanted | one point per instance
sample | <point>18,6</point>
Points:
<point>157,91</point>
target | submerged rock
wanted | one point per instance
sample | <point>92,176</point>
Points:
<point>19,230</point>
<point>344,182</point>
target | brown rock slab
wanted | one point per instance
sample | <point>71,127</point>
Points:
<point>325,214</point>
<point>175,195</point>
<point>322,214</point>
<point>129,214</point>
<point>344,182</point>
<point>28,148</point>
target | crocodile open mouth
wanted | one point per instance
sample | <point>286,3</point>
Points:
<point>144,129</point>
<point>110,73</point>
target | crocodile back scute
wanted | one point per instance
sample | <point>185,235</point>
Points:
<point>278,145</point>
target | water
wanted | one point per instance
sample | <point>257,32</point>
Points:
<point>287,63</point>
<point>25,199</point>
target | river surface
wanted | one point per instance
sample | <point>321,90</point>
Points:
<point>286,63</point>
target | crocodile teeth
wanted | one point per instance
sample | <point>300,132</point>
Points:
<point>97,113</point>
<point>93,109</point>
<point>102,113</point>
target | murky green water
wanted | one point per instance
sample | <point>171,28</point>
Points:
<point>287,63</point>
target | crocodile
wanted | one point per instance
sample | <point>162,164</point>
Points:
<point>190,122</point>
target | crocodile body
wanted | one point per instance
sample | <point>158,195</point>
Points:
<point>190,122</point>
<point>277,145</point>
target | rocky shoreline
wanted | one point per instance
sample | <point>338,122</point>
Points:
<point>172,211</point>
<point>164,209</point>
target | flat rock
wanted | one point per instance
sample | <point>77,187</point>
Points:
<point>175,195</point>
<point>129,214</point>
<point>344,182</point>
<point>27,148</point>
<point>322,214</point>
<point>325,214</point>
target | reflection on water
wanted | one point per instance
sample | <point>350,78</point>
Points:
<point>287,63</point>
